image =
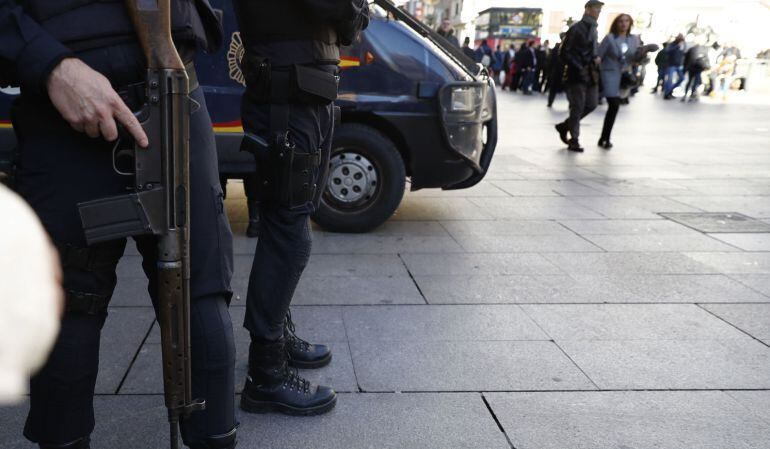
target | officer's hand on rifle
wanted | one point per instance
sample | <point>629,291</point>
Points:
<point>87,101</point>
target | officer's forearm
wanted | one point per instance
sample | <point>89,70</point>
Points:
<point>30,50</point>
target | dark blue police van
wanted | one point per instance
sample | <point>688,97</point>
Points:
<point>413,107</point>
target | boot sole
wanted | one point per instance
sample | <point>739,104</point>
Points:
<point>260,407</point>
<point>320,363</point>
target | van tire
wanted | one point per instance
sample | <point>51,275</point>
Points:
<point>353,138</point>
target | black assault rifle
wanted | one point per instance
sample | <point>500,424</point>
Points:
<point>159,203</point>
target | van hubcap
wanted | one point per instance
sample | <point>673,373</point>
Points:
<point>352,178</point>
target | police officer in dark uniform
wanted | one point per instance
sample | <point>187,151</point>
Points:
<point>81,71</point>
<point>290,66</point>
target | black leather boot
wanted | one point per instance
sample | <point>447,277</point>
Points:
<point>302,354</point>
<point>82,443</point>
<point>225,441</point>
<point>271,386</point>
<point>253,229</point>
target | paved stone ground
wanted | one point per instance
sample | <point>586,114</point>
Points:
<point>552,306</point>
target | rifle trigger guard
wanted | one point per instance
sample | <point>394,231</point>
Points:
<point>116,153</point>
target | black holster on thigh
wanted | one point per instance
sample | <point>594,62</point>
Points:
<point>286,175</point>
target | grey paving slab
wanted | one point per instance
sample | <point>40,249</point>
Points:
<point>526,243</point>
<point>417,208</point>
<point>122,335</point>
<point>440,323</point>
<point>724,186</point>
<point>735,263</point>
<point>756,206</point>
<point>730,222</point>
<point>464,366</point>
<point>145,376</point>
<point>122,422</point>
<point>758,282</point>
<point>486,289</point>
<point>403,229</point>
<point>546,188</point>
<point>387,421</point>
<point>313,323</point>
<point>635,187</point>
<point>626,227</point>
<point>628,263</point>
<point>625,420</point>
<point>756,401</point>
<point>630,322</point>
<point>130,267</point>
<point>659,242</point>
<point>747,242</point>
<point>538,208</point>
<point>631,207</point>
<point>678,288</point>
<point>337,265</point>
<point>667,364</point>
<point>504,228</point>
<point>348,290</point>
<point>376,244</point>
<point>754,319</point>
<point>484,188</point>
<point>131,292</point>
<point>471,264</point>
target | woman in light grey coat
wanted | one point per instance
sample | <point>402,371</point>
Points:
<point>618,51</point>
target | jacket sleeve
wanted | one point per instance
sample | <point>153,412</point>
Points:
<point>605,46</point>
<point>27,52</point>
<point>349,17</point>
<point>569,51</point>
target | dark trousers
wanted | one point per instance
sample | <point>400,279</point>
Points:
<point>583,99</point>
<point>613,106</point>
<point>693,82</point>
<point>284,245</point>
<point>60,167</point>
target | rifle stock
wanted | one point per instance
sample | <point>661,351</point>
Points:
<point>160,202</point>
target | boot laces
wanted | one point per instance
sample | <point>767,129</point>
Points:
<point>296,382</point>
<point>291,335</point>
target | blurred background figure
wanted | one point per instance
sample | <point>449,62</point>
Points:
<point>674,67</point>
<point>619,52</point>
<point>447,32</point>
<point>661,61</point>
<point>497,64</point>
<point>30,296</point>
<point>696,61</point>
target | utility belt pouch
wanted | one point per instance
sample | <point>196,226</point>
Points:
<point>256,72</point>
<point>315,86</point>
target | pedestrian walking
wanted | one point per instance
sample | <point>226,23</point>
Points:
<point>674,67</point>
<point>555,73</point>
<point>497,64</point>
<point>541,58</point>
<point>528,67</point>
<point>696,61</point>
<point>661,61</point>
<point>509,66</point>
<point>579,53</point>
<point>618,51</point>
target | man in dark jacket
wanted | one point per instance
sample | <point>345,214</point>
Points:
<point>554,75</point>
<point>292,53</point>
<point>467,50</point>
<point>81,72</point>
<point>675,66</point>
<point>578,52</point>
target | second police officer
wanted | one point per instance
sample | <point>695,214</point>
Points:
<point>292,52</point>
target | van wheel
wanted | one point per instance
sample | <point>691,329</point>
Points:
<point>366,181</point>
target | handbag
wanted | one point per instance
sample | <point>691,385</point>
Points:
<point>628,80</point>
